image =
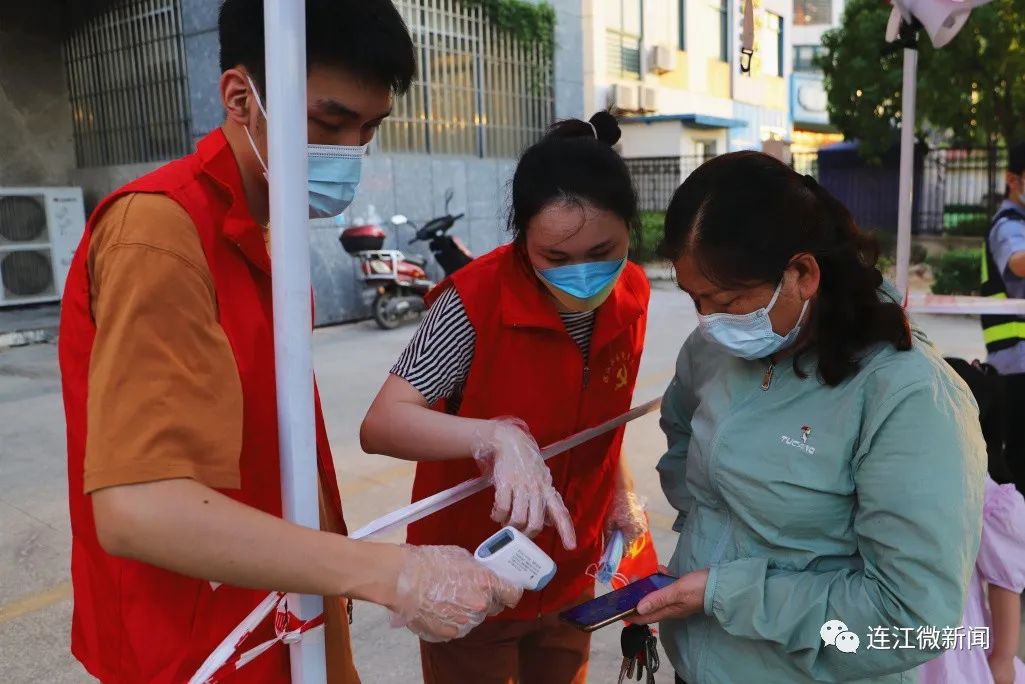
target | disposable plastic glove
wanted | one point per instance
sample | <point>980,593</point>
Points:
<point>442,593</point>
<point>524,496</point>
<point>626,514</point>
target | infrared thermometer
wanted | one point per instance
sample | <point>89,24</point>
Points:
<point>511,555</point>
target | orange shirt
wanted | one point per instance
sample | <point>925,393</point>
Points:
<point>165,400</point>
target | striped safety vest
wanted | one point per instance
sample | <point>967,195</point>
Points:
<point>999,331</point>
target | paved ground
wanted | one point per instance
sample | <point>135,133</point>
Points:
<point>351,363</point>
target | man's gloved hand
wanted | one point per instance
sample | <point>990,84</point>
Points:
<point>442,593</point>
<point>524,496</point>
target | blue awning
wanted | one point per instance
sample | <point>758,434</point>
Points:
<point>689,120</point>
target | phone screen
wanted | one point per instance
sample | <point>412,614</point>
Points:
<point>615,605</point>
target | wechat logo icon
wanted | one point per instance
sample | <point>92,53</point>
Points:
<point>835,633</point>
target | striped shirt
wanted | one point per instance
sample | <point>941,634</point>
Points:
<point>437,360</point>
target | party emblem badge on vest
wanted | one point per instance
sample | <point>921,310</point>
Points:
<point>802,444</point>
<point>618,370</point>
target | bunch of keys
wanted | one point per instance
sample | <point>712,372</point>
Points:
<point>640,653</point>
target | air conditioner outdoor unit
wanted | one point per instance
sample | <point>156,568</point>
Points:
<point>625,97</point>
<point>663,59</point>
<point>649,99</point>
<point>39,231</point>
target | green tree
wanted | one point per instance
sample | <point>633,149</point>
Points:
<point>530,23</point>
<point>972,89</point>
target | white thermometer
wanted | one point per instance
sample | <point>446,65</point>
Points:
<point>512,556</point>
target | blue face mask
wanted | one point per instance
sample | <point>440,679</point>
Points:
<point>334,172</point>
<point>749,336</point>
<point>584,286</point>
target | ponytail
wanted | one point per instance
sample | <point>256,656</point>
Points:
<point>849,314</point>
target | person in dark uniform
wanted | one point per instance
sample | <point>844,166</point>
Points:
<point>1003,276</point>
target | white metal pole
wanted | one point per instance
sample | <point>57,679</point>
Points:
<point>907,168</point>
<point>285,42</point>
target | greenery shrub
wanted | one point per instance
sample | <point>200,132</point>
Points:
<point>646,240</point>
<point>958,271</point>
<point>975,225</point>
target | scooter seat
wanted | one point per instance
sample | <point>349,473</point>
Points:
<point>417,259</point>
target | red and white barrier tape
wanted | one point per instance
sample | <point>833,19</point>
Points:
<point>434,503</point>
<point>957,304</point>
<point>226,659</point>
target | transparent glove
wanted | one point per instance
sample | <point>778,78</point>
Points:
<point>524,496</point>
<point>442,593</point>
<point>626,514</point>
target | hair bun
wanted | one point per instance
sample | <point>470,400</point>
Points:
<point>602,126</point>
<point>606,127</point>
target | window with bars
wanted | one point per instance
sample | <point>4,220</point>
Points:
<point>623,33</point>
<point>479,90</point>
<point>127,84</point>
<point>719,29</point>
<point>813,12</point>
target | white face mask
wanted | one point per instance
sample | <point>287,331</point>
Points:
<point>749,336</point>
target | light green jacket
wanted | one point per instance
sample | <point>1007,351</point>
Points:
<point>860,503</point>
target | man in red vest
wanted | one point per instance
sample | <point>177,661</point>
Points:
<point>167,360</point>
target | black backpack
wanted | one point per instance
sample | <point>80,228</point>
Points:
<point>988,388</point>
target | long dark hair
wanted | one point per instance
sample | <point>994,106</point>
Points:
<point>744,216</point>
<point>573,162</point>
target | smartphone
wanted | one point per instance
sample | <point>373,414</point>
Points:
<point>615,605</point>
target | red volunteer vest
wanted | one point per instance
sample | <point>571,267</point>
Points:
<point>526,365</point>
<point>135,622</point>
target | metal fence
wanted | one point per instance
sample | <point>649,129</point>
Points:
<point>656,178</point>
<point>959,190</point>
<point>479,91</point>
<point>956,190</point>
<point>126,79</point>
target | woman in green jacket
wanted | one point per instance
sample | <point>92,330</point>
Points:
<point>826,463</point>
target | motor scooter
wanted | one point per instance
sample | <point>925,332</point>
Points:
<point>398,282</point>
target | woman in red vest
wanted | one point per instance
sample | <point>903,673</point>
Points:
<point>529,344</point>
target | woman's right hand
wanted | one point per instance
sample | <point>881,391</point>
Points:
<point>524,496</point>
<point>442,593</point>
